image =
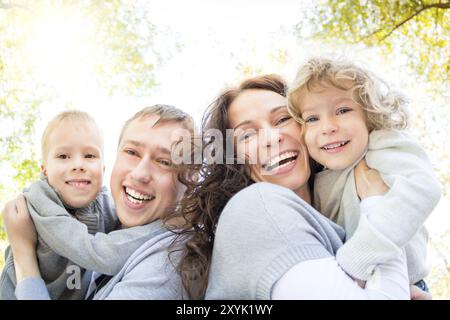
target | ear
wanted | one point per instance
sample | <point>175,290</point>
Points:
<point>43,170</point>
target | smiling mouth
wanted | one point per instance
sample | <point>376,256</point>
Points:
<point>136,197</point>
<point>280,161</point>
<point>334,146</point>
<point>78,183</point>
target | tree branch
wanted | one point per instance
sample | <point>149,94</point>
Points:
<point>426,7</point>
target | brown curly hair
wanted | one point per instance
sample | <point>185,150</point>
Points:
<point>209,187</point>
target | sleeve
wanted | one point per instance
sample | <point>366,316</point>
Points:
<point>390,223</point>
<point>263,231</point>
<point>324,279</point>
<point>32,289</point>
<point>104,253</point>
<point>153,278</point>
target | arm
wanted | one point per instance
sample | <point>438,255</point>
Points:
<point>324,279</point>
<point>104,253</point>
<point>413,193</point>
<point>414,188</point>
<point>23,238</point>
<point>148,274</point>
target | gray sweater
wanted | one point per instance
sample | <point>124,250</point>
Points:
<point>397,221</point>
<point>69,244</point>
<point>263,231</point>
<point>147,274</point>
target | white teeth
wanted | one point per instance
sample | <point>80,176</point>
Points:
<point>134,200</point>
<point>334,145</point>
<point>281,157</point>
<point>137,196</point>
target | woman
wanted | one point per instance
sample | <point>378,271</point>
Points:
<point>266,241</point>
<point>142,169</point>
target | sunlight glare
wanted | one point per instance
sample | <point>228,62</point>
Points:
<point>61,50</point>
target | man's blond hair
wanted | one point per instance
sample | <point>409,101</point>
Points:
<point>165,113</point>
<point>64,117</point>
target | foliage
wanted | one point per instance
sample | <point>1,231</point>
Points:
<point>54,52</point>
<point>108,41</point>
<point>420,28</point>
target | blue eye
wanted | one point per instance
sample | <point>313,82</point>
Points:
<point>311,119</point>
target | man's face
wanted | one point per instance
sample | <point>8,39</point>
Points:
<point>143,182</point>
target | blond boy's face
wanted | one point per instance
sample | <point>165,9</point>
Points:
<point>143,183</point>
<point>74,162</point>
<point>336,126</point>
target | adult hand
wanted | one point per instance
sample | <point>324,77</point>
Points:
<point>368,181</point>
<point>22,237</point>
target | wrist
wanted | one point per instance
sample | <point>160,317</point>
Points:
<point>26,264</point>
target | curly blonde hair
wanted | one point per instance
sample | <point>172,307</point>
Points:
<point>384,108</point>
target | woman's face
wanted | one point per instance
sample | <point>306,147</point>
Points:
<point>270,139</point>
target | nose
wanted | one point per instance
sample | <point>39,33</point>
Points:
<point>78,164</point>
<point>329,125</point>
<point>271,137</point>
<point>142,173</point>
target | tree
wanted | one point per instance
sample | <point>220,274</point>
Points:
<point>420,27</point>
<point>52,52</point>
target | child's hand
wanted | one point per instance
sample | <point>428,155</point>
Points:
<point>22,237</point>
<point>19,225</point>
<point>368,181</point>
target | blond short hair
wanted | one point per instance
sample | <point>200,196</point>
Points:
<point>384,108</point>
<point>66,116</point>
<point>166,113</point>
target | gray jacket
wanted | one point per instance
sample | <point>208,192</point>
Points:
<point>147,275</point>
<point>71,243</point>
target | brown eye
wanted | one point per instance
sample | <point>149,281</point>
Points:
<point>283,119</point>
<point>343,110</point>
<point>130,152</point>
<point>165,162</point>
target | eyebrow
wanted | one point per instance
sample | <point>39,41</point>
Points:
<point>309,108</point>
<point>140,144</point>
<point>163,150</point>
<point>249,121</point>
<point>133,142</point>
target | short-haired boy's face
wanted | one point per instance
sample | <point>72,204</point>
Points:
<point>74,162</point>
<point>143,183</point>
<point>336,126</point>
